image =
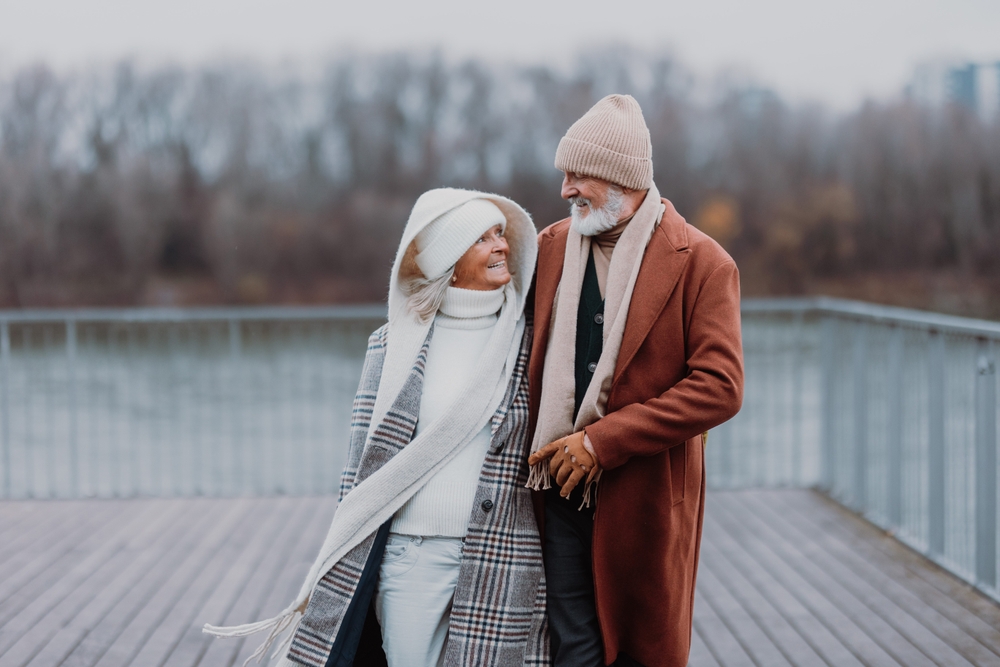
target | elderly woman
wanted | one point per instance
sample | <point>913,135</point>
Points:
<point>433,556</point>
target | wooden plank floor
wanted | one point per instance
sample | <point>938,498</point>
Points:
<point>788,578</point>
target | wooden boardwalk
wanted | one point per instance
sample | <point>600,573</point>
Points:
<point>787,578</point>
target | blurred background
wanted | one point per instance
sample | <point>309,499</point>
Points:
<point>196,153</point>
<point>200,201</point>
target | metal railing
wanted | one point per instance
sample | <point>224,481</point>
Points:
<point>892,412</point>
<point>221,401</point>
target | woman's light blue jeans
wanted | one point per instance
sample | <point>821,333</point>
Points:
<point>416,585</point>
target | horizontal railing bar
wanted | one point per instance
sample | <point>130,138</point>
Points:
<point>925,320</point>
<point>206,314</point>
<point>919,319</point>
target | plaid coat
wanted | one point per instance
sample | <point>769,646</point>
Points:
<point>498,613</point>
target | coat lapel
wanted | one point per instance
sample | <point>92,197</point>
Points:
<point>662,266</point>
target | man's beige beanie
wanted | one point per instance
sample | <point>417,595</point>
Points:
<point>611,142</point>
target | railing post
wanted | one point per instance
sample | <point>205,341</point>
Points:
<point>725,448</point>
<point>133,431</point>
<point>894,456</point>
<point>828,341</point>
<point>114,431</point>
<point>176,441</point>
<point>74,457</point>
<point>4,405</point>
<point>798,362</point>
<point>935,445</point>
<point>860,473</point>
<point>235,350</point>
<point>986,467</point>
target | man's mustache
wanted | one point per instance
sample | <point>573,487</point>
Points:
<point>579,201</point>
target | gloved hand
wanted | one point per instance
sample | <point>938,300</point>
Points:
<point>569,462</point>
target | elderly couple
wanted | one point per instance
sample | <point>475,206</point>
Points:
<point>525,481</point>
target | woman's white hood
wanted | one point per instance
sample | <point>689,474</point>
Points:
<point>520,233</point>
<point>406,334</point>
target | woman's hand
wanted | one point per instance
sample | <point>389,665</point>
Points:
<point>569,462</point>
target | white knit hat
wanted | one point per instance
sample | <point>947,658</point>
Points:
<point>611,141</point>
<point>443,242</point>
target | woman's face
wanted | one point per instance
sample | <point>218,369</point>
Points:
<point>484,265</point>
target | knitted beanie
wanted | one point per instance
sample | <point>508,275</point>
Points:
<point>611,142</point>
<point>443,242</point>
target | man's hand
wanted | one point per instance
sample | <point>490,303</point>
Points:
<point>569,462</point>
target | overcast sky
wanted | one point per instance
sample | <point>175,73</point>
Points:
<point>837,52</point>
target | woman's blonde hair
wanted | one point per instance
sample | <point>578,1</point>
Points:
<point>423,295</point>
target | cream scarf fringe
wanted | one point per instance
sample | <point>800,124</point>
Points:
<point>555,414</point>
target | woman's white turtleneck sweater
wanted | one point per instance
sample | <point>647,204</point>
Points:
<point>462,329</point>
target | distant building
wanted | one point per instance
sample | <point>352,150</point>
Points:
<point>988,90</point>
<point>975,86</point>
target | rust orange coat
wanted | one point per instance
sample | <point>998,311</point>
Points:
<point>679,373</point>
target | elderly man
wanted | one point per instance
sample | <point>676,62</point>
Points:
<point>636,355</point>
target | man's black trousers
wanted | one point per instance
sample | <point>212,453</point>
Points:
<point>569,577</point>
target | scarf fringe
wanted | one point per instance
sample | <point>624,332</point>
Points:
<point>277,625</point>
<point>589,492</point>
<point>539,477</point>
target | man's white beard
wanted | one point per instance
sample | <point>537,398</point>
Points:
<point>597,220</point>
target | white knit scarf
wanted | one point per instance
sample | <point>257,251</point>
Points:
<point>374,501</point>
<point>555,413</point>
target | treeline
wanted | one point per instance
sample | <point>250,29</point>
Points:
<point>245,183</point>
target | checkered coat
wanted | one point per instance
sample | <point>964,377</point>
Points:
<point>498,613</point>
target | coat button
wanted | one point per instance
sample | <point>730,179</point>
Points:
<point>487,505</point>
<point>592,366</point>
<point>599,318</point>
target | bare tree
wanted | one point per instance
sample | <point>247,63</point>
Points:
<point>267,182</point>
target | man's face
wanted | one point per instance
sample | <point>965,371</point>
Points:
<point>595,204</point>
<point>585,193</point>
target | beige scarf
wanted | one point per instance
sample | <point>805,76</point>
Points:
<point>603,247</point>
<point>555,413</point>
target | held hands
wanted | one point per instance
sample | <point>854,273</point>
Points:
<point>569,462</point>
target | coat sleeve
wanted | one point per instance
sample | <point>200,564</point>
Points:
<point>711,392</point>
<point>361,411</point>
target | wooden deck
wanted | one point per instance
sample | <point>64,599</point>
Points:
<point>787,578</point>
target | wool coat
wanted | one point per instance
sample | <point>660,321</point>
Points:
<point>498,613</point>
<point>679,373</point>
